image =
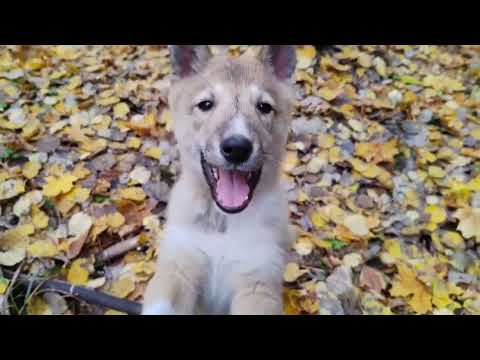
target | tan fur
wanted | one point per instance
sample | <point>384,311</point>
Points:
<point>208,259</point>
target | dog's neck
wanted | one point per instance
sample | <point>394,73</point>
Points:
<point>201,206</point>
<point>211,219</point>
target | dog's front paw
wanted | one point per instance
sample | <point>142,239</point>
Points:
<point>159,308</point>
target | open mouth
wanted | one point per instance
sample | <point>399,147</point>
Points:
<point>232,190</point>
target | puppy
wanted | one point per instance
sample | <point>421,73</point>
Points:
<point>227,231</point>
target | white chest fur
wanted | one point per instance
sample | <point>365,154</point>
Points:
<point>252,242</point>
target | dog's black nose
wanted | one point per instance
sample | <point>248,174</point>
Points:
<point>236,149</point>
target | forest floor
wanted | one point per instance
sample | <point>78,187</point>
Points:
<point>382,174</point>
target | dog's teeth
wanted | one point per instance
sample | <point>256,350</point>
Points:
<point>215,173</point>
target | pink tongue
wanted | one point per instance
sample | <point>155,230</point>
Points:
<point>232,188</point>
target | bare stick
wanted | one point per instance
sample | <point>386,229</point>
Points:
<point>119,249</point>
<point>88,295</point>
<point>10,287</point>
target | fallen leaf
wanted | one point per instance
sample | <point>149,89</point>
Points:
<point>292,272</point>
<point>133,193</point>
<point>357,224</point>
<point>78,272</point>
<point>407,284</point>
<point>12,257</point>
<point>31,169</point>
<point>58,185</point>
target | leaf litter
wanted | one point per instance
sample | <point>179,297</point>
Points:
<point>382,174</point>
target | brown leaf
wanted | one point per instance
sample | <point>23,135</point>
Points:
<point>372,279</point>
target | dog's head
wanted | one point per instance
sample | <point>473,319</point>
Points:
<point>231,117</point>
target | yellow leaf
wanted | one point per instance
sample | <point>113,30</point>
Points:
<point>116,220</point>
<point>407,284</point>
<point>114,312</point>
<point>292,272</point>
<point>377,152</point>
<point>42,248</point>
<point>318,220</point>
<point>122,288</point>
<point>80,171</point>
<point>120,110</point>
<point>78,272</point>
<point>303,246</point>
<point>469,222</point>
<point>66,52</point>
<point>58,185</point>
<point>39,218</point>
<point>133,193</point>
<point>329,94</point>
<point>357,224</point>
<point>108,101</point>
<point>364,60</point>
<point>74,83</point>
<point>38,306</point>
<point>347,110</point>
<point>31,169</point>
<point>437,214</point>
<point>326,62</point>
<point>166,119</point>
<point>380,66</point>
<point>393,248</point>
<point>305,56</point>
<point>34,63</point>
<point>31,129</point>
<point>441,298</point>
<point>436,172</point>
<point>291,161</point>
<point>476,133</point>
<point>154,152</point>
<point>11,188</point>
<point>68,201</point>
<point>453,240</point>
<point>17,234</point>
<point>326,141</point>
<point>334,155</point>
<point>291,302</point>
<point>134,143</point>
<point>3,285</point>
<point>302,197</point>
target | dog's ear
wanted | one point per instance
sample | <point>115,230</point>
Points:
<point>281,58</point>
<point>187,60</point>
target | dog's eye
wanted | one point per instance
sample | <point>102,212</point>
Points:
<point>205,105</point>
<point>264,108</point>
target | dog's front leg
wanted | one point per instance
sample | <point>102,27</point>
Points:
<point>257,298</point>
<point>175,286</point>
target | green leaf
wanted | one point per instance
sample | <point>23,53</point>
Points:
<point>99,199</point>
<point>3,106</point>
<point>7,153</point>
<point>337,244</point>
<point>48,204</point>
<point>409,80</point>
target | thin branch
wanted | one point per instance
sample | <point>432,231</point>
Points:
<point>88,295</point>
<point>10,287</point>
<point>119,249</point>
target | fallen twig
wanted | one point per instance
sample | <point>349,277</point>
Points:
<point>10,287</point>
<point>119,249</point>
<point>88,295</point>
